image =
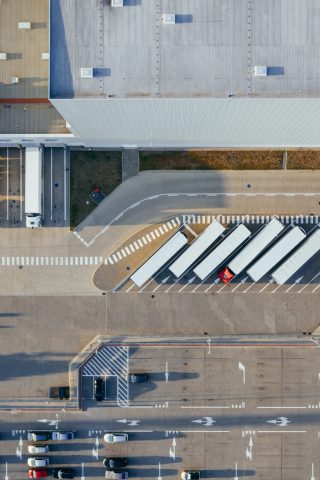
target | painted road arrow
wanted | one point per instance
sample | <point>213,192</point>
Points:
<point>281,421</point>
<point>130,423</point>
<point>205,421</point>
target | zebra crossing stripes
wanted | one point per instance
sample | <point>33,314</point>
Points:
<point>250,219</point>
<point>111,361</point>
<point>143,241</point>
<point>49,261</point>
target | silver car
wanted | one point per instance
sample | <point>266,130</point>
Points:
<point>115,437</point>
<point>116,475</point>
<point>36,449</point>
<point>62,436</point>
<point>38,462</point>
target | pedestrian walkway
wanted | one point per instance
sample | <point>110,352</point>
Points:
<point>130,163</point>
<point>50,261</point>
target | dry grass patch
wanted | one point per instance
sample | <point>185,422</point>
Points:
<point>211,160</point>
<point>303,160</point>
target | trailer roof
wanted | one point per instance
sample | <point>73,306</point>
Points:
<point>307,250</point>
<point>197,248</point>
<point>273,256</point>
<point>158,259</point>
<point>222,251</point>
<point>255,246</point>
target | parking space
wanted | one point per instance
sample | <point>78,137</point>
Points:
<point>55,182</point>
<point>306,280</point>
<point>11,187</point>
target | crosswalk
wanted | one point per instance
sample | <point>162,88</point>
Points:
<point>144,240</point>
<point>50,261</point>
<point>250,219</point>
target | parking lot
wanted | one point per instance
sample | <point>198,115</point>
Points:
<point>306,280</point>
<point>55,182</point>
<point>229,411</point>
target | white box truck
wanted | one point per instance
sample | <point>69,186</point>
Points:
<point>200,245</point>
<point>159,259</point>
<point>273,256</point>
<point>263,238</point>
<point>33,186</point>
<point>222,251</point>
<point>289,267</point>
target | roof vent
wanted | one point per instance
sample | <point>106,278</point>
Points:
<point>169,18</point>
<point>86,72</point>
<point>260,71</point>
<point>24,25</point>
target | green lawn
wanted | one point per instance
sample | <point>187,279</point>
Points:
<point>86,170</point>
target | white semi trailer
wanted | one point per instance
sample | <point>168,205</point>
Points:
<point>222,252</point>
<point>273,256</point>
<point>197,248</point>
<point>159,259</point>
<point>305,252</point>
<point>33,186</point>
<point>263,238</point>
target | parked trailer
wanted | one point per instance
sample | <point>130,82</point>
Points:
<point>222,251</point>
<point>33,187</point>
<point>290,266</point>
<point>273,256</point>
<point>159,259</point>
<point>268,233</point>
<point>200,245</point>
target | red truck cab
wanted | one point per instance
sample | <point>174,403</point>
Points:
<point>225,275</point>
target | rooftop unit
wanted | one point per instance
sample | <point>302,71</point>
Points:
<point>24,25</point>
<point>260,71</point>
<point>169,18</point>
<point>86,72</point>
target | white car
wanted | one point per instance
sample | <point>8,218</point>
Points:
<point>38,462</point>
<point>112,475</point>
<point>36,449</point>
<point>62,435</point>
<point>115,437</point>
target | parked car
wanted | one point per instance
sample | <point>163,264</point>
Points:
<point>36,449</point>
<point>38,473</point>
<point>39,436</point>
<point>98,389</point>
<point>138,377</point>
<point>190,475</point>
<point>115,437</point>
<point>62,436</point>
<point>63,393</point>
<point>38,462</point>
<point>114,475</point>
<point>115,462</point>
<point>63,473</point>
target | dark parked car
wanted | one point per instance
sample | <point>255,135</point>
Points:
<point>98,389</point>
<point>190,475</point>
<point>39,436</point>
<point>138,377</point>
<point>63,393</point>
<point>115,462</point>
<point>63,473</point>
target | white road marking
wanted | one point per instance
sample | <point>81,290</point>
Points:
<point>51,184</point>
<point>65,183</point>
<point>7,183</point>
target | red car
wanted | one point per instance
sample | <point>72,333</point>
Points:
<point>38,473</point>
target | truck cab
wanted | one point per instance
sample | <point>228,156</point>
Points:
<point>225,275</point>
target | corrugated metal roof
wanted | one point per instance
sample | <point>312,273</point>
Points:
<point>211,122</point>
